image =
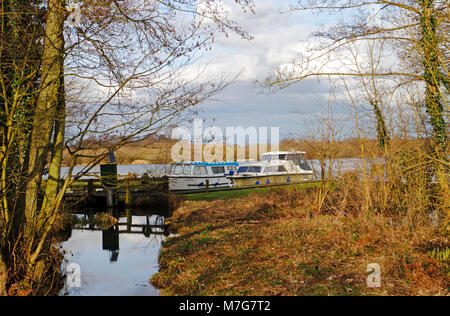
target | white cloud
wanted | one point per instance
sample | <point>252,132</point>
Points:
<point>277,39</point>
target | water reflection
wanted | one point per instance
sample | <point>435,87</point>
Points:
<point>117,261</point>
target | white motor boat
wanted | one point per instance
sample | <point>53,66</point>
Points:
<point>197,176</point>
<point>274,168</point>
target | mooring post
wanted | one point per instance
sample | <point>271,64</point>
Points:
<point>109,199</point>
<point>127,193</point>
<point>207,185</point>
<point>108,173</point>
<point>90,192</point>
<point>129,219</point>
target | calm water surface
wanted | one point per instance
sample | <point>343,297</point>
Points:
<point>122,260</point>
<point>116,262</point>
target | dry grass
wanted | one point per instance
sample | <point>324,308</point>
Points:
<point>156,153</point>
<point>347,148</point>
<point>277,244</point>
<point>320,240</point>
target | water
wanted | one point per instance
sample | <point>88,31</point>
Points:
<point>120,261</point>
<point>123,170</point>
<point>116,262</point>
<point>344,164</point>
<point>340,165</point>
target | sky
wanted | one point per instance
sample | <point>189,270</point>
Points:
<point>279,37</point>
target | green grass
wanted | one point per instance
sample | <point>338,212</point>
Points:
<point>234,194</point>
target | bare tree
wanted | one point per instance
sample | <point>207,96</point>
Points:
<point>122,70</point>
<point>413,30</point>
<point>414,59</point>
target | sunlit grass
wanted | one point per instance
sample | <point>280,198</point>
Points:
<point>234,194</point>
<point>272,242</point>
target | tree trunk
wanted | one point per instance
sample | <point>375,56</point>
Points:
<point>3,276</point>
<point>433,79</point>
<point>382,134</point>
<point>434,102</point>
<point>54,172</point>
<point>46,112</point>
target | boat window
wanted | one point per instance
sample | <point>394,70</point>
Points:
<point>218,169</point>
<point>270,169</point>
<point>200,171</point>
<point>275,169</point>
<point>242,169</point>
<point>187,170</point>
<point>177,170</point>
<point>265,158</point>
<point>282,157</point>
<point>303,163</point>
<point>281,169</point>
<point>256,169</point>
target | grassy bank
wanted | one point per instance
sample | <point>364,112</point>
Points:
<point>234,194</point>
<point>274,243</point>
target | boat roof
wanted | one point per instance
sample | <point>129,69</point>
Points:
<point>253,163</point>
<point>285,153</point>
<point>208,164</point>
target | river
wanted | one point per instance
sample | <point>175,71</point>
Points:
<point>118,261</point>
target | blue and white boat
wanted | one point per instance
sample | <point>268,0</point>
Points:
<point>196,176</point>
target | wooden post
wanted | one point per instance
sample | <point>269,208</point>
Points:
<point>108,174</point>
<point>109,198</point>
<point>127,194</point>
<point>90,193</point>
<point>207,185</point>
<point>129,219</point>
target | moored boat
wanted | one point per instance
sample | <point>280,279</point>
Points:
<point>274,168</point>
<point>197,176</point>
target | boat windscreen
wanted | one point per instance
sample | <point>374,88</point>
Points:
<point>303,163</point>
<point>300,161</point>
<point>242,169</point>
<point>255,169</point>
<point>305,166</point>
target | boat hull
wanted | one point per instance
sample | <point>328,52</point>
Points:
<point>197,184</point>
<point>262,180</point>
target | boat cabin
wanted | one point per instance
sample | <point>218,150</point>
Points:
<point>202,169</point>
<point>297,158</point>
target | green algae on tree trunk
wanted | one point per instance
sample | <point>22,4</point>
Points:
<point>3,276</point>
<point>46,117</point>
<point>49,118</point>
